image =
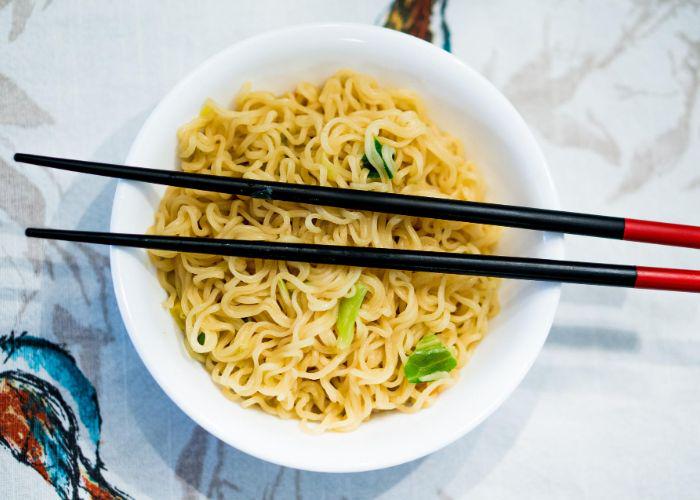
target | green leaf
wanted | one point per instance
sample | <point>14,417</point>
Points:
<point>347,314</point>
<point>200,338</point>
<point>431,360</point>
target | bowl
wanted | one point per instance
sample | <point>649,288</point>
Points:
<point>460,101</point>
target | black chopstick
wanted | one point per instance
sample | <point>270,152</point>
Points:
<point>405,260</point>
<point>416,206</point>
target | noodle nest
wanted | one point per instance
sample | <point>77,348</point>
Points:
<point>265,330</point>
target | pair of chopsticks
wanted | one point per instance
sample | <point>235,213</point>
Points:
<point>416,206</point>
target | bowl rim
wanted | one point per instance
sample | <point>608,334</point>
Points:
<point>555,244</point>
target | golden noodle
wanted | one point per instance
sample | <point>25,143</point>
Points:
<point>264,329</point>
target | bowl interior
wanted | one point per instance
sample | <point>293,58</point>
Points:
<point>461,102</point>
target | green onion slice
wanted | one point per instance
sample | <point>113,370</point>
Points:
<point>430,361</point>
<point>378,158</point>
<point>373,152</point>
<point>347,314</point>
<point>388,158</point>
<point>373,173</point>
<point>284,291</point>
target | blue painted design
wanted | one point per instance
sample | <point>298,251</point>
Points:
<point>39,427</point>
<point>446,35</point>
<point>415,17</point>
<point>39,353</point>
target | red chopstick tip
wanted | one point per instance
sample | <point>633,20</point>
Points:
<point>662,233</point>
<point>659,278</point>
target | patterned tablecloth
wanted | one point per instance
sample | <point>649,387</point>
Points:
<point>610,409</point>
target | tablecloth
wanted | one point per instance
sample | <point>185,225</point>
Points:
<point>611,408</point>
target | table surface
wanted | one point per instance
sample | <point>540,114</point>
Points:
<point>610,409</point>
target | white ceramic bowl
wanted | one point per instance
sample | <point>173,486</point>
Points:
<point>462,102</point>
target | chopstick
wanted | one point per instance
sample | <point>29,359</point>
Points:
<point>405,260</point>
<point>416,206</point>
